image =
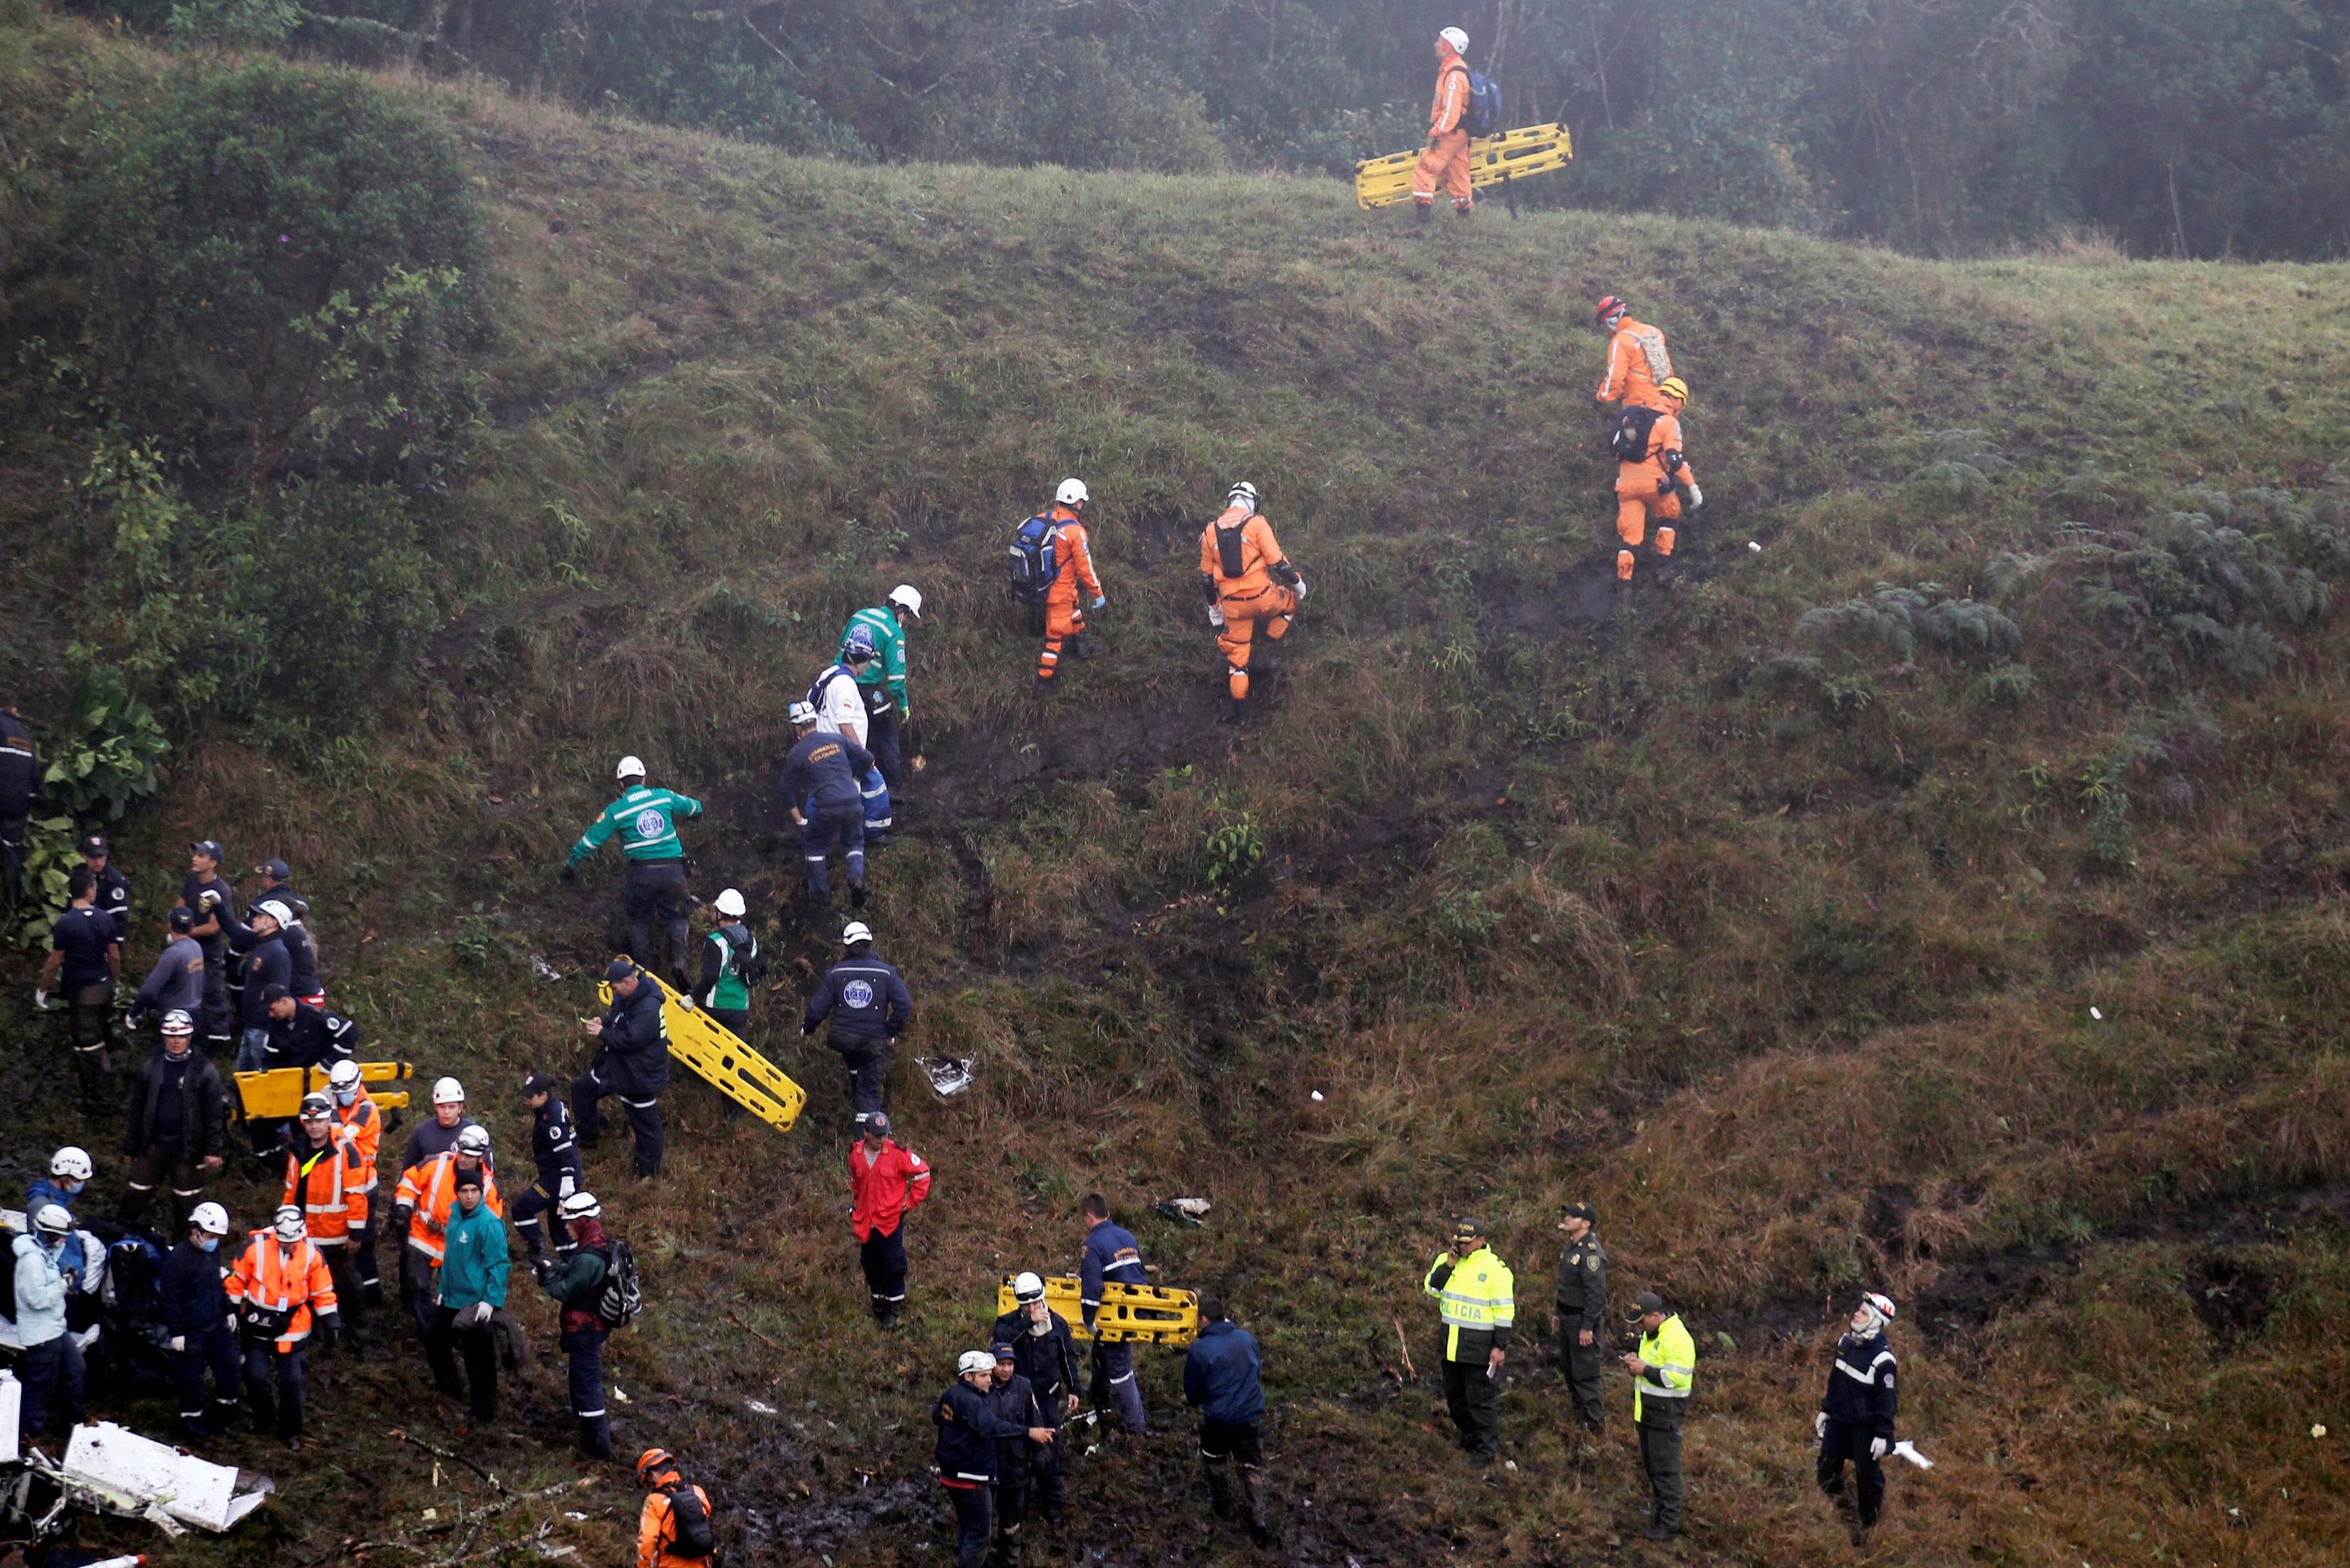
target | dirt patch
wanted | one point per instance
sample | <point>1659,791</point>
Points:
<point>2232,1296</point>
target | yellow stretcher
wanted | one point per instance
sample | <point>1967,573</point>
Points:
<point>733,1068</point>
<point>1139,1314</point>
<point>278,1093</point>
<point>1493,160</point>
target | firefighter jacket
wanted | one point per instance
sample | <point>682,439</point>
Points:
<point>1860,1384</point>
<point>657,1528</point>
<point>1637,362</point>
<point>1479,1302</point>
<point>1073,560</point>
<point>633,1053</point>
<point>1660,1394</point>
<point>1112,1257</point>
<point>555,1148</point>
<point>824,773</point>
<point>272,1281</point>
<point>431,1190</point>
<point>1240,560</point>
<point>361,1125</point>
<point>968,1429</point>
<point>1220,1375</point>
<point>887,1187</point>
<point>330,1185</point>
<point>865,998</point>
<point>313,1037</point>
<point>1048,1360</point>
<point>266,964</point>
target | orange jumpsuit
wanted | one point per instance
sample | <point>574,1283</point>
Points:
<point>1646,489</point>
<point>1248,596</point>
<point>1445,164</point>
<point>657,1530</point>
<point>330,1186</point>
<point>1637,361</point>
<point>276,1277</point>
<point>1073,583</point>
<point>431,1190</point>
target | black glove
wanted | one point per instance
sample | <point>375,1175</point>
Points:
<point>1664,487</point>
<point>567,876</point>
<point>330,1328</point>
<point>402,1215</point>
<point>542,1267</point>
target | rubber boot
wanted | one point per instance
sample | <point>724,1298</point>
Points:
<point>1427,210</point>
<point>1044,686</point>
<point>856,895</point>
<point>1081,646</point>
<point>1623,565</point>
<point>1461,211</point>
<point>1219,1491</point>
<point>1252,1506</point>
<point>1235,708</point>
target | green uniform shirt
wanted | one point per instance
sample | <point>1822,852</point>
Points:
<point>646,820</point>
<point>890,642</point>
<point>729,992</point>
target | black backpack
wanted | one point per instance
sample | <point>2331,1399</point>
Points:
<point>623,1295</point>
<point>1033,562</point>
<point>750,968</point>
<point>1629,440</point>
<point>691,1522</point>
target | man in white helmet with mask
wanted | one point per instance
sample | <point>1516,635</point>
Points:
<point>1046,1353</point>
<point>281,1291</point>
<point>1856,1416</point>
<point>652,889</point>
<point>200,1324</point>
<point>69,1177</point>
<point>52,1368</point>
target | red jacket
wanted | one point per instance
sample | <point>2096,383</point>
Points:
<point>894,1183</point>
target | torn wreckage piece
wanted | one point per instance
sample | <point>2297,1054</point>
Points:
<point>112,1469</point>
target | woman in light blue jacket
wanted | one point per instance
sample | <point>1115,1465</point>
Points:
<point>53,1366</point>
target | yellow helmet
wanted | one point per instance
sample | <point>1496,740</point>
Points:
<point>1674,387</point>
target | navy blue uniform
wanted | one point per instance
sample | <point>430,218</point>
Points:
<point>866,1004</point>
<point>969,1429</point>
<point>1220,1376</point>
<point>1860,1405</point>
<point>1014,1400</point>
<point>266,964</point>
<point>1049,1362</point>
<point>313,1037</point>
<point>555,1152</point>
<point>195,1311</point>
<point>212,900</point>
<point>1112,1257</point>
<point>822,781</point>
<point>632,1062</point>
<point>113,899</point>
<point>87,938</point>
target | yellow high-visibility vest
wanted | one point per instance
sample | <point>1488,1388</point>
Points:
<point>1672,1354</point>
<point>1479,1295</point>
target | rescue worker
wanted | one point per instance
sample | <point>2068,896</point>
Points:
<point>113,892</point>
<point>1479,1309</point>
<point>886,1182</point>
<point>302,1034</point>
<point>69,1179</point>
<point>178,1126</point>
<point>631,1062</point>
<point>266,965</point>
<point>1221,1377</point>
<point>652,888</point>
<point>674,1515</point>
<point>1650,489</point>
<point>1045,1354</point>
<point>280,1288</point>
<point>176,984</point>
<point>1582,1303</point>
<point>200,1324</point>
<point>326,1181</point>
<point>52,1367</point>
<point>1072,583</point>
<point>965,1454</point>
<point>1856,1416</point>
<point>301,949</point>
<point>887,707</point>
<point>207,894</point>
<point>359,1122</point>
<point>87,956</point>
<point>20,780</point>
<point>1013,1399</point>
<point>1445,165</point>
<point>471,1286</point>
<point>1249,586</point>
<point>839,704</point>
<point>827,802</point>
<point>440,1134</point>
<point>866,1004</point>
<point>1111,1256</point>
<point>1663,1370</point>
<point>421,1206</point>
<point>555,1155</point>
<point>577,1280</point>
<point>1638,361</point>
<point>730,967</point>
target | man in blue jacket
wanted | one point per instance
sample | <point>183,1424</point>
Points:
<point>1112,1257</point>
<point>868,1004</point>
<point>632,1061</point>
<point>1221,1377</point>
<point>968,1429</point>
<point>823,785</point>
<point>201,1325</point>
<point>1855,1418</point>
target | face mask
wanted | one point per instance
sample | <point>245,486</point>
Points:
<point>73,1189</point>
<point>346,1096</point>
<point>208,1243</point>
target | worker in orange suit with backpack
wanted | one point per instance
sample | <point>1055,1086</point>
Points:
<point>1250,586</point>
<point>1073,582</point>
<point>1638,359</point>
<point>673,1528</point>
<point>1651,471</point>
<point>1445,165</point>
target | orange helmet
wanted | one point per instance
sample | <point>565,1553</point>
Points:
<point>1610,305</point>
<point>652,1462</point>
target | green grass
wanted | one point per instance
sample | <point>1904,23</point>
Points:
<point>1779,950</point>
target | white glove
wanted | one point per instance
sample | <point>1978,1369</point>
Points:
<point>40,1001</point>
<point>1820,1426</point>
<point>179,1343</point>
<point>1099,600</point>
<point>1879,1448</point>
<point>1300,590</point>
<point>480,1313</point>
<point>1216,615</point>
<point>566,1185</point>
<point>1697,497</point>
<point>232,1320</point>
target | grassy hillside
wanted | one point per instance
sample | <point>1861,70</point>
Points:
<point>1777,938</point>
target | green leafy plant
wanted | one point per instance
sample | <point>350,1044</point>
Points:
<point>49,862</point>
<point>1235,846</point>
<point>108,759</point>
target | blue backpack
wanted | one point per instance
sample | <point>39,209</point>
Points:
<point>1482,116</point>
<point>1034,565</point>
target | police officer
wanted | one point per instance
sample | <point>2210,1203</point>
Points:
<point>1480,1308</point>
<point>1044,1352</point>
<point>1856,1416</point>
<point>20,779</point>
<point>176,984</point>
<point>1582,1312</point>
<point>883,681</point>
<point>207,894</point>
<point>652,891</point>
<point>555,1151</point>
<point>87,956</point>
<point>113,892</point>
<point>303,1036</point>
<point>730,966</point>
<point>1112,1257</point>
<point>868,1004</point>
<point>632,1061</point>
<point>266,965</point>
<point>821,787</point>
<point>1663,1370</point>
<point>966,1454</point>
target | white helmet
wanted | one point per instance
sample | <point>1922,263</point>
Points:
<point>448,1092</point>
<point>1073,493</point>
<point>1243,494</point>
<point>855,931</point>
<point>1027,1288</point>
<point>730,903</point>
<point>343,1078</point>
<point>629,768</point>
<point>289,1224</point>
<point>803,713</point>
<point>474,1140</point>
<point>56,1220</point>
<point>1881,1305</point>
<point>71,1163</point>
<point>209,1218</point>
<point>580,1205</point>
<point>1457,38</point>
<point>276,911</point>
<point>908,597</point>
<point>177,1022</point>
<point>976,1361</point>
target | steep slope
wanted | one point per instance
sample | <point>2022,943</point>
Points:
<point>1778,945</point>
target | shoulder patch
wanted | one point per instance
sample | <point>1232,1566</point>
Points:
<point>1592,1263</point>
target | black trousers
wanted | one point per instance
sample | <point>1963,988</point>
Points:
<point>652,899</point>
<point>882,738</point>
<point>585,1347</point>
<point>12,857</point>
<point>215,1022</point>
<point>974,1506</point>
<point>1473,1394</point>
<point>1113,1383</point>
<point>289,1371</point>
<point>417,1289</point>
<point>1579,1365</point>
<point>161,1166</point>
<point>1011,1485</point>
<point>1661,1462</point>
<point>90,1012</point>
<point>883,1255</point>
<point>528,1213</point>
<point>479,1346</point>
<point>588,1092</point>
<point>867,1062</point>
<point>1044,1478</point>
<point>214,1349</point>
<point>1850,1440</point>
<point>54,1381</point>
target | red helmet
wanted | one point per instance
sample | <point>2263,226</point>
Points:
<point>1606,308</point>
